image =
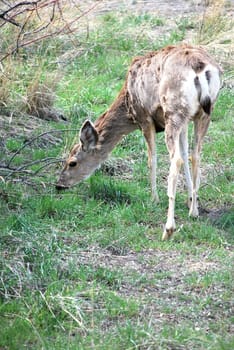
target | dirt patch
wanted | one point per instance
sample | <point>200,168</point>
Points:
<point>118,167</point>
<point>149,261</point>
<point>169,285</point>
<point>166,8</point>
<point>220,217</point>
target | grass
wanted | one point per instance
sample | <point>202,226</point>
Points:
<point>86,269</point>
<point>213,22</point>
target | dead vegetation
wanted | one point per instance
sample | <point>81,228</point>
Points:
<point>214,21</point>
<point>40,99</point>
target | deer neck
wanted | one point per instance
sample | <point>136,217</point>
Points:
<point>114,124</point>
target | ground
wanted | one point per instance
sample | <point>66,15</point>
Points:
<point>182,285</point>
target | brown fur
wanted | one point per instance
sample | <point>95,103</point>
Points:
<point>163,90</point>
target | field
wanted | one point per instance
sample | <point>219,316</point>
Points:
<point>86,268</point>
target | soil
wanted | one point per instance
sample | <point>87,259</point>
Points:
<point>166,283</point>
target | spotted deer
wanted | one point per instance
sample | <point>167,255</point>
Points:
<point>163,91</point>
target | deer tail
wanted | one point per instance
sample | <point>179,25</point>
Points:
<point>202,84</point>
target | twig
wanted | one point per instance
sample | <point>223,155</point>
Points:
<point>21,31</point>
<point>22,169</point>
<point>20,4</point>
<point>49,163</point>
<point>40,29</point>
<point>29,142</point>
<point>54,159</point>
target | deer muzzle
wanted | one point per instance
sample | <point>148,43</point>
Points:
<point>60,187</point>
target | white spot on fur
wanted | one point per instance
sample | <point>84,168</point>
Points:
<point>190,93</point>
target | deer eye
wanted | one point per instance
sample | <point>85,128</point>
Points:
<point>72,164</point>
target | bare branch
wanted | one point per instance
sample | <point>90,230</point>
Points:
<point>61,25</point>
<point>29,142</point>
<point>20,4</point>
<point>22,169</point>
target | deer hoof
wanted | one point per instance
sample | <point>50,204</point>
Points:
<point>167,233</point>
<point>194,213</point>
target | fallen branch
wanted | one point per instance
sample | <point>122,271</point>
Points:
<point>23,171</point>
<point>29,142</point>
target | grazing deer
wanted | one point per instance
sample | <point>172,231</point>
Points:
<point>164,90</point>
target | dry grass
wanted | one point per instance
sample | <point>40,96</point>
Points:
<point>213,21</point>
<point>40,97</point>
<point>6,75</point>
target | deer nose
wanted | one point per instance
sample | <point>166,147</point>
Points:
<point>61,187</point>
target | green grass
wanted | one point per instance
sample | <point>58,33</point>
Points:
<point>86,268</point>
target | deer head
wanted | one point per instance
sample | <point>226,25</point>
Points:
<point>83,159</point>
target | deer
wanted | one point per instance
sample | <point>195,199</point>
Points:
<point>163,91</point>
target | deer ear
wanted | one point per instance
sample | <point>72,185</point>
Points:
<point>88,136</point>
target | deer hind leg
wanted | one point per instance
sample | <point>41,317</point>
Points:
<point>184,149</point>
<point>172,135</point>
<point>200,128</point>
<point>149,134</point>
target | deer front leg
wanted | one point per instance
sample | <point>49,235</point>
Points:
<point>172,141</point>
<point>149,134</point>
<point>200,128</point>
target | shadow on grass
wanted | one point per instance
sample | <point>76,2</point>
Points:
<point>222,218</point>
